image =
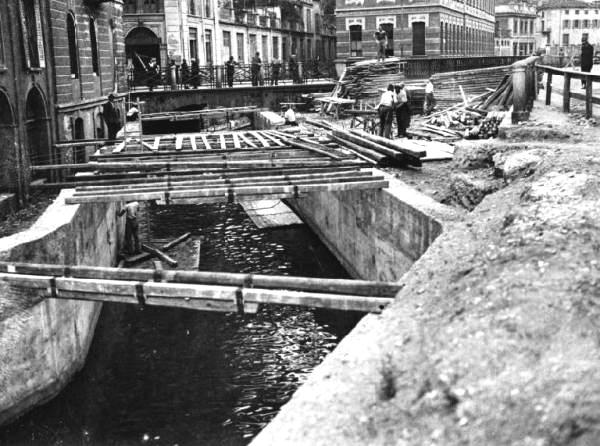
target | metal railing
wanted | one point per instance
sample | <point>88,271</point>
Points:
<point>215,76</point>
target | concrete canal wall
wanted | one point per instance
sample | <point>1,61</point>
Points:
<point>44,342</point>
<point>376,234</point>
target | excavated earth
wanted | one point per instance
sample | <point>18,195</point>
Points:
<point>495,338</point>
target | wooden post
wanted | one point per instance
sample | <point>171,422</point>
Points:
<point>519,81</point>
<point>549,88</point>
<point>567,93</point>
<point>588,96</point>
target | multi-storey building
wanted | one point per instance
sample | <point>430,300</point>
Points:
<point>210,31</point>
<point>515,29</point>
<point>416,28</point>
<point>57,64</point>
<point>562,23</point>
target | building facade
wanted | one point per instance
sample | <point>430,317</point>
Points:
<point>515,33</point>
<point>562,23</point>
<point>418,28</point>
<point>210,31</point>
<point>57,64</point>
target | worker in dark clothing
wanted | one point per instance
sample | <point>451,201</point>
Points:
<point>112,117</point>
<point>255,65</point>
<point>132,240</point>
<point>230,70</point>
<point>275,70</point>
<point>293,69</point>
<point>402,110</point>
<point>587,57</point>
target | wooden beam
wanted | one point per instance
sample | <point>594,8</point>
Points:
<point>247,141</point>
<point>236,141</point>
<point>295,283</point>
<point>230,194</point>
<point>262,140</point>
<point>166,247</point>
<point>205,142</point>
<point>223,142</point>
<point>161,255</point>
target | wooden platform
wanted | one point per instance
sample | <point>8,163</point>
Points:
<point>270,213</point>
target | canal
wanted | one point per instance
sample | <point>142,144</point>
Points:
<point>165,376</point>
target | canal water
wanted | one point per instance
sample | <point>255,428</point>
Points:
<point>164,376</point>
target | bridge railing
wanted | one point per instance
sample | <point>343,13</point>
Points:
<point>568,74</point>
<point>176,77</point>
<point>423,68</point>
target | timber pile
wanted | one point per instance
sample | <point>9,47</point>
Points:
<point>363,81</point>
<point>372,148</point>
<point>471,119</point>
<point>473,82</point>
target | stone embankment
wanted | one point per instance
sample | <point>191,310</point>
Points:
<point>495,338</point>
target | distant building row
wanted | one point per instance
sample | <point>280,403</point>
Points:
<point>210,31</point>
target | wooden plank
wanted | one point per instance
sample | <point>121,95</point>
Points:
<point>146,256</point>
<point>231,194</point>
<point>193,142</point>
<point>236,140</point>
<point>179,142</point>
<point>262,140</point>
<point>549,88</point>
<point>270,213</point>
<point>39,274</point>
<point>156,144</point>
<point>161,255</point>
<point>272,138</point>
<point>205,142</point>
<point>247,141</point>
<point>567,93</point>
<point>119,147</point>
<point>222,140</point>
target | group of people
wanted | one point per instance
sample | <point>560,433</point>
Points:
<point>395,102</point>
<point>257,71</point>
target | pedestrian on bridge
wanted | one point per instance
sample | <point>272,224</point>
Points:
<point>230,71</point>
<point>587,57</point>
<point>255,65</point>
<point>275,70</point>
<point>132,240</point>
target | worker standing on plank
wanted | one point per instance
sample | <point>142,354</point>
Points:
<point>402,110</point>
<point>382,42</point>
<point>132,240</point>
<point>386,112</point>
<point>429,103</point>
<point>112,117</point>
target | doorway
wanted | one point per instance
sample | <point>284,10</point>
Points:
<point>8,160</point>
<point>418,44</point>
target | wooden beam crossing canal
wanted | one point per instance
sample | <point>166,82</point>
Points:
<point>205,291</point>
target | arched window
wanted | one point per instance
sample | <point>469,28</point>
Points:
<point>192,7</point>
<point>355,41</point>
<point>94,44</point>
<point>72,37</point>
<point>30,19</point>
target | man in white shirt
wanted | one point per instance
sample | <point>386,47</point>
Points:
<point>132,241</point>
<point>386,112</point>
<point>290,116</point>
<point>429,103</point>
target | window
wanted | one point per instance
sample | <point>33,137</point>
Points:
<point>94,45</point>
<point>1,45</point>
<point>193,43</point>
<point>531,27</point>
<point>264,48</point>
<point>308,21</point>
<point>208,46</point>
<point>355,41</point>
<point>275,48</point>
<point>72,37</point>
<point>32,33</point>
<point>565,40</point>
<point>586,24</point>
<point>208,8</point>
<point>152,6</point>
<point>227,43</point>
<point>566,24</point>
<point>240,47</point>
<point>576,24</point>
<point>192,7</point>
<point>515,26</point>
<point>130,6</point>
<point>586,12</point>
<point>577,12</point>
<point>595,23</point>
<point>566,11</point>
<point>252,42</point>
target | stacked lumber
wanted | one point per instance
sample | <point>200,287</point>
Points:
<point>473,82</point>
<point>364,80</point>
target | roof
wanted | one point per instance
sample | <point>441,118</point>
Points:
<point>566,4</point>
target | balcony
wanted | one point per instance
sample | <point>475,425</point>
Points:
<point>263,21</point>
<point>240,17</point>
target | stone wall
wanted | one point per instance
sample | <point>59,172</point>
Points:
<point>43,342</point>
<point>375,234</point>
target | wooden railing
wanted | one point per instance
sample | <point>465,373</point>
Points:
<point>423,68</point>
<point>587,78</point>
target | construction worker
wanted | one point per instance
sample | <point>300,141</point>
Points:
<point>112,117</point>
<point>382,42</point>
<point>132,240</point>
